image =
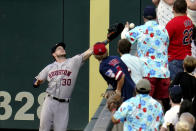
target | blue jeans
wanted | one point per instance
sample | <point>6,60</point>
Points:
<point>175,66</point>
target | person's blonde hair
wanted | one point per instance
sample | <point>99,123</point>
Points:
<point>182,126</point>
<point>189,64</point>
<point>100,57</point>
<point>188,117</point>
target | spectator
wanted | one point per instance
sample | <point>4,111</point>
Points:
<point>182,126</point>
<point>114,71</point>
<point>152,43</point>
<point>186,79</point>
<point>179,30</point>
<point>164,11</point>
<point>189,118</point>
<point>133,63</point>
<point>191,11</point>
<point>193,45</point>
<point>171,116</point>
<point>141,112</point>
<point>185,106</point>
<point>194,106</point>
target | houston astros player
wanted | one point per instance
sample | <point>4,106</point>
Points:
<point>61,76</point>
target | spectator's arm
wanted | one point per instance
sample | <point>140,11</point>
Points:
<point>163,129</point>
<point>191,4</point>
<point>132,35</point>
<point>120,114</point>
<point>120,84</point>
<point>169,2</point>
<point>115,121</point>
<point>125,30</point>
<point>155,2</point>
<point>167,120</point>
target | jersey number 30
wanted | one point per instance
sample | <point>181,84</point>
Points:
<point>66,82</point>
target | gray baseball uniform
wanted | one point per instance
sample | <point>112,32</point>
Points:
<point>61,78</point>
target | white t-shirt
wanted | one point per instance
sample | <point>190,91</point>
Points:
<point>193,51</point>
<point>171,116</point>
<point>192,15</point>
<point>164,13</point>
<point>135,65</point>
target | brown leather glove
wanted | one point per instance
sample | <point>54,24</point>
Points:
<point>114,102</point>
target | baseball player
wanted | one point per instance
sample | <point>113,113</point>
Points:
<point>61,76</point>
<point>114,71</point>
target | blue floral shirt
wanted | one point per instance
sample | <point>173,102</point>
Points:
<point>141,113</point>
<point>152,47</point>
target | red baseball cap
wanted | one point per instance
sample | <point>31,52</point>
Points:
<point>99,48</point>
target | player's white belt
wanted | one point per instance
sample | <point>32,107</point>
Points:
<point>60,100</point>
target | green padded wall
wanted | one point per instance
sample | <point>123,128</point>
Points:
<point>29,28</point>
<point>76,35</point>
<point>126,10</point>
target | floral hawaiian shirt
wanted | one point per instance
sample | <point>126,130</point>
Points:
<point>140,113</point>
<point>152,46</point>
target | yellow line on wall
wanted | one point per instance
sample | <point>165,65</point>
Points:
<point>99,22</point>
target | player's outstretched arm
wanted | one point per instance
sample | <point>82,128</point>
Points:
<point>87,53</point>
<point>113,32</point>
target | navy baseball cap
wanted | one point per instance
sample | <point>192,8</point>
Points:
<point>175,93</point>
<point>56,45</point>
<point>149,12</point>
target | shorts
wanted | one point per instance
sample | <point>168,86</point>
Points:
<point>159,87</point>
<point>175,66</point>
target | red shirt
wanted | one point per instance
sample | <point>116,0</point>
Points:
<point>180,31</point>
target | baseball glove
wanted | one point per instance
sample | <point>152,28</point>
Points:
<point>115,30</point>
<point>114,102</point>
